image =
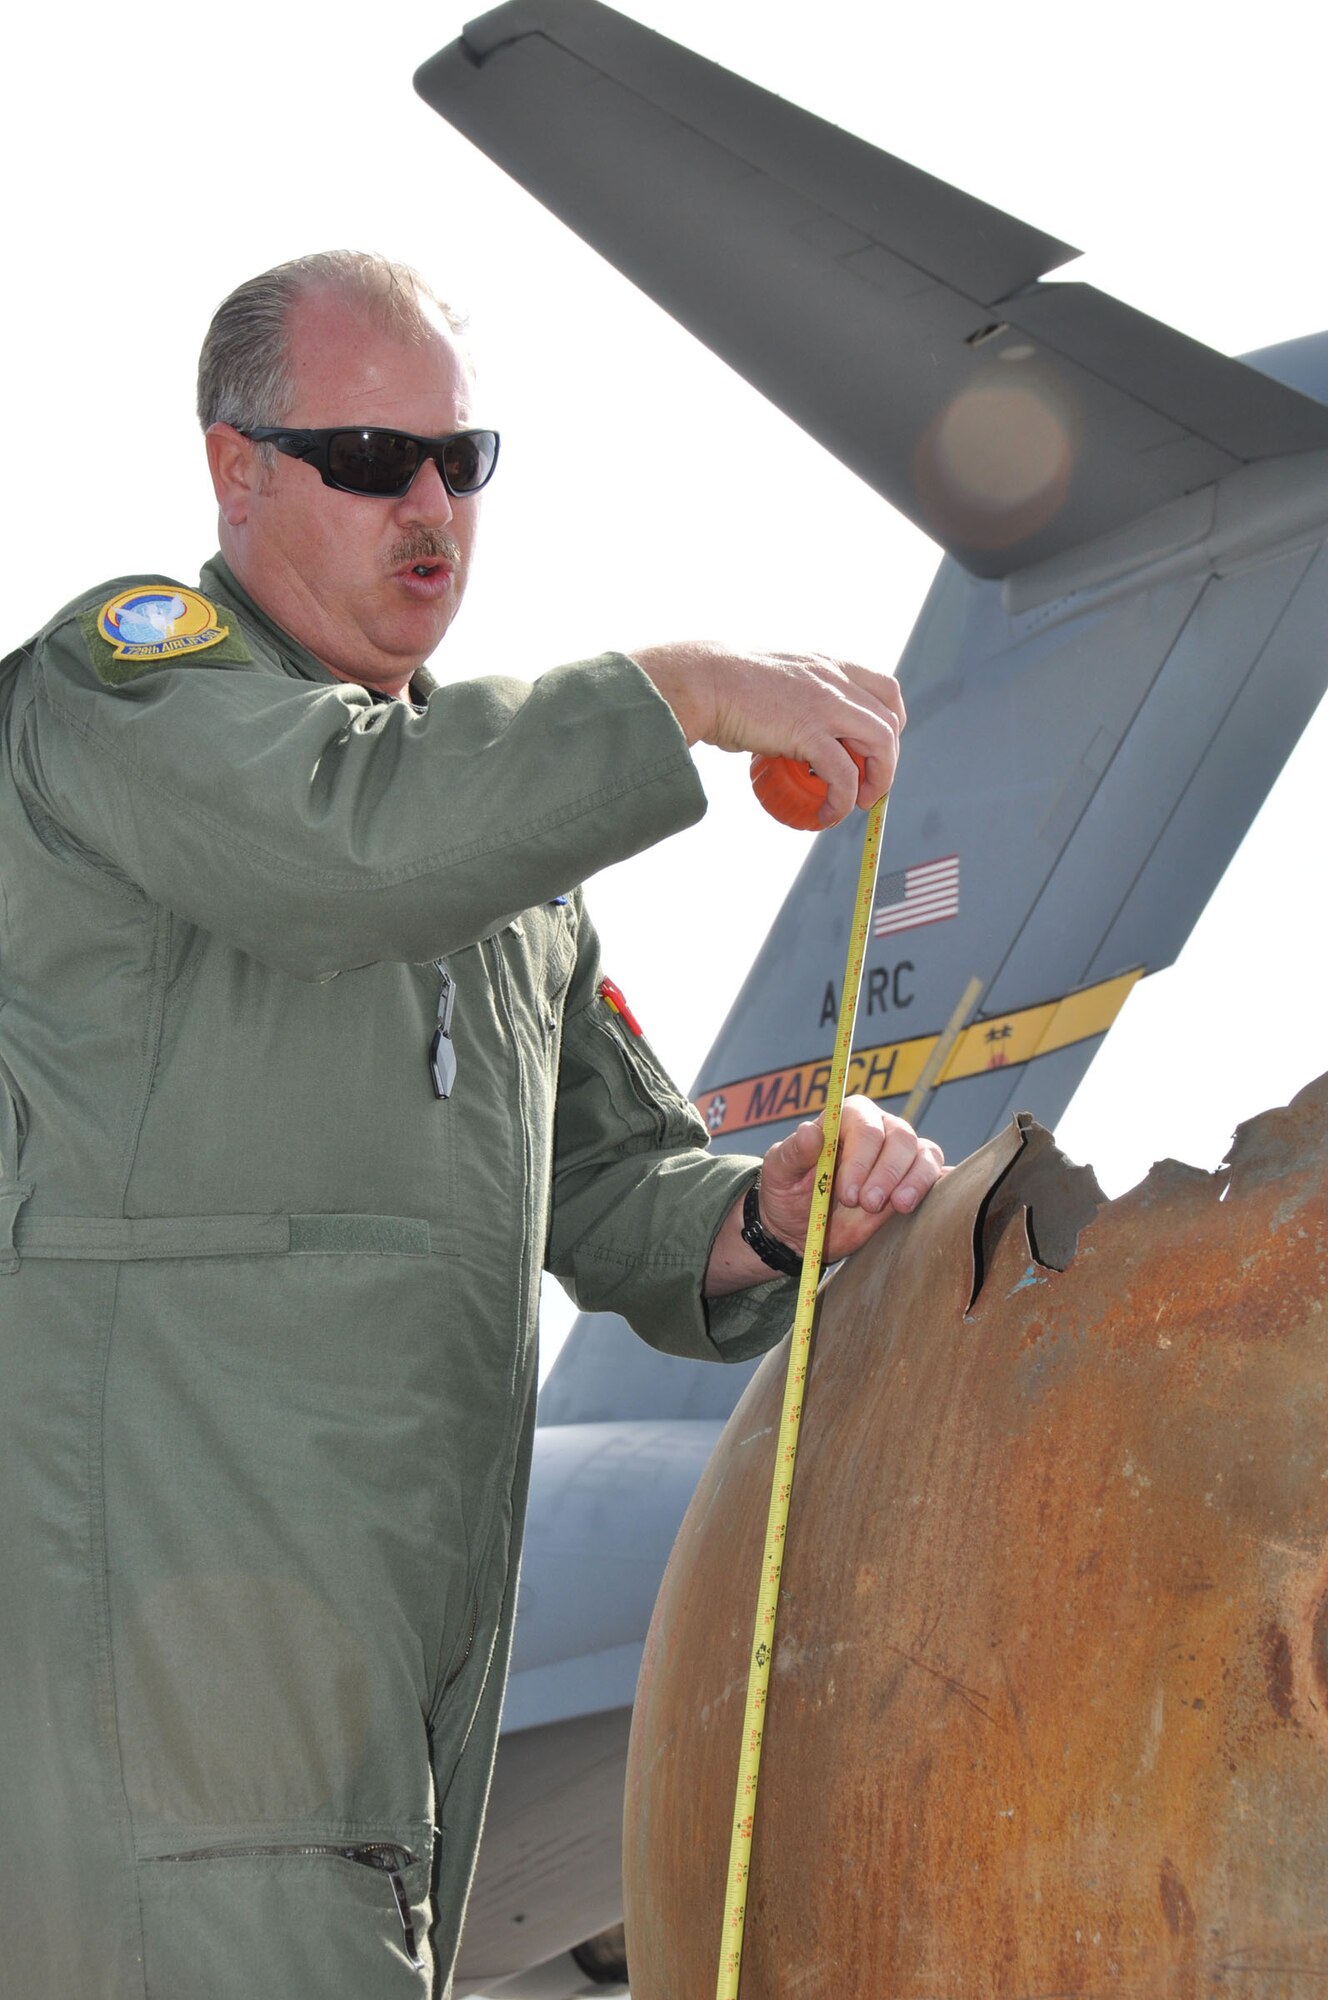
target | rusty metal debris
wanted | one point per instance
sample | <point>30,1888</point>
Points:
<point>1049,1712</point>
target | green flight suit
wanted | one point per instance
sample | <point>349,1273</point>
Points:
<point>267,1305</point>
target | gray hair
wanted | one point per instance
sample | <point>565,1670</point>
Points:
<point>244,375</point>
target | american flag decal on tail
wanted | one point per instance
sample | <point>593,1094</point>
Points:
<point>925,894</point>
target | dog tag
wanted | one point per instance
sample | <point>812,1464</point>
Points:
<point>442,1052</point>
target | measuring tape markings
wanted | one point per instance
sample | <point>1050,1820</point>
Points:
<point>786,1451</point>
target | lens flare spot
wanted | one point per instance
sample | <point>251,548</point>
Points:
<point>994,466</point>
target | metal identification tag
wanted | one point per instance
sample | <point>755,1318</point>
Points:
<point>442,1053</point>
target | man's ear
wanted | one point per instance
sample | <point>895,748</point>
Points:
<point>237,471</point>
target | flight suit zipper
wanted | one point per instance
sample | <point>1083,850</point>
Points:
<point>508,1006</point>
<point>386,1856</point>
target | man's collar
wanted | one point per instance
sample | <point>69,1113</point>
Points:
<point>219,580</point>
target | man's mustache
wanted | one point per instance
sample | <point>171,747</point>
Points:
<point>424,546</point>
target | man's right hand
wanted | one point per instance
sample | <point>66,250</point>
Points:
<point>803,705</point>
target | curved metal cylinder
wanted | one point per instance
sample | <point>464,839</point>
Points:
<point>1049,1705</point>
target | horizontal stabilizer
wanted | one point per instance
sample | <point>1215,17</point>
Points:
<point>901,322</point>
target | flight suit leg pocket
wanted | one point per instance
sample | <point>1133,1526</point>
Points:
<point>330,1920</point>
<point>277,1595</point>
<point>13,1194</point>
<point>13,1190</point>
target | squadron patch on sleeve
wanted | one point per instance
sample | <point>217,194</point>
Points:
<point>155,625</point>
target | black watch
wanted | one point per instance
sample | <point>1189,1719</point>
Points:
<point>779,1256</point>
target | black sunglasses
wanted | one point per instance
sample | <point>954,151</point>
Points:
<point>385,463</point>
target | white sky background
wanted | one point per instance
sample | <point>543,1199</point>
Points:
<point>153,157</point>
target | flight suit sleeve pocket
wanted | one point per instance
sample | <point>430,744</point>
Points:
<point>641,1106</point>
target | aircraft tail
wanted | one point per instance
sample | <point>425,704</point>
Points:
<point>1115,659</point>
<point>1083,760</point>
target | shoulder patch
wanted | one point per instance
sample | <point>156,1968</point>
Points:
<point>155,625</point>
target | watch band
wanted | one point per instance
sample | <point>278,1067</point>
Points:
<point>779,1256</point>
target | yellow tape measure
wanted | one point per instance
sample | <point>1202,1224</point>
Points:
<point>786,1449</point>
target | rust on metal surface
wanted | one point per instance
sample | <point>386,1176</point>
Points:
<point>1049,1708</point>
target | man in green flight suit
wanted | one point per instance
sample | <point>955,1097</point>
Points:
<point>305,1070</point>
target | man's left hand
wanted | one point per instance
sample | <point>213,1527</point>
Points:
<point>883,1169</point>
